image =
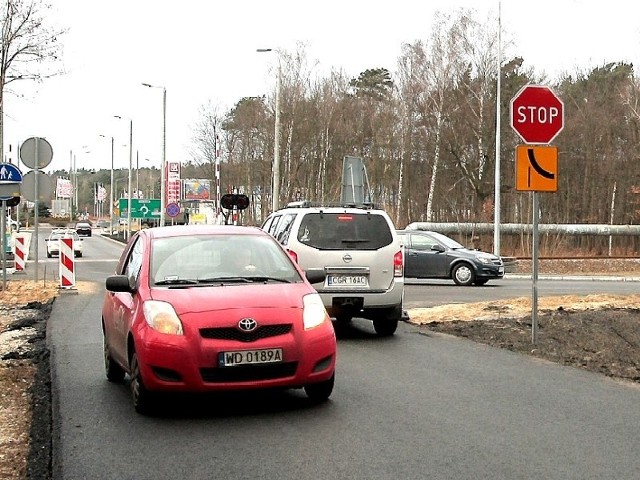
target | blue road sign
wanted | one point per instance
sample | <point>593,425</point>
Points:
<point>9,173</point>
<point>173,209</point>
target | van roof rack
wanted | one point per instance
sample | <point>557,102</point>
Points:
<point>309,204</point>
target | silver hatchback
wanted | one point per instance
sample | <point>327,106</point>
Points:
<point>360,252</point>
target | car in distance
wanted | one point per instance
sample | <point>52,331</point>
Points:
<point>429,254</point>
<point>83,229</point>
<point>207,308</point>
<point>357,247</point>
<point>53,242</point>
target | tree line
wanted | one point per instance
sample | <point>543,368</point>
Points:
<point>427,134</point>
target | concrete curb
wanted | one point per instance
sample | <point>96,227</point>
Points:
<point>588,278</point>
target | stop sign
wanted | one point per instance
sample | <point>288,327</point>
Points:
<point>537,114</point>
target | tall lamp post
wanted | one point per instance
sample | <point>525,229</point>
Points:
<point>129,187</point>
<point>163,164</point>
<point>276,141</point>
<point>111,199</point>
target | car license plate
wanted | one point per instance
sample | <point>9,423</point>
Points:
<point>249,357</point>
<point>347,280</point>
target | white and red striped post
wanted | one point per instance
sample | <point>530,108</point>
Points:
<point>67,264</point>
<point>20,253</point>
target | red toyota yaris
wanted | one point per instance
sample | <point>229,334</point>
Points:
<point>211,308</point>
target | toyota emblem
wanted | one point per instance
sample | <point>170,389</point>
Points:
<point>247,324</point>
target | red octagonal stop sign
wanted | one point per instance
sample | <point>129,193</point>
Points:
<point>537,114</point>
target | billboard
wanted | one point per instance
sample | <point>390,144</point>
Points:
<point>197,189</point>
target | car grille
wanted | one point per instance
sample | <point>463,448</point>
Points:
<point>249,373</point>
<point>232,333</point>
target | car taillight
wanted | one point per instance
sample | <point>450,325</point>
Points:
<point>293,255</point>
<point>398,266</point>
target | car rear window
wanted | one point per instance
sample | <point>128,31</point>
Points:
<point>340,231</point>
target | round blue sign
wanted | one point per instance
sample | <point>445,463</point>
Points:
<point>9,173</point>
<point>173,209</point>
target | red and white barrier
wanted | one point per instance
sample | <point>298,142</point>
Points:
<point>20,253</point>
<point>67,264</point>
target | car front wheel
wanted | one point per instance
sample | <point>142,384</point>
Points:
<point>463,274</point>
<point>143,400</point>
<point>115,373</point>
<point>319,392</point>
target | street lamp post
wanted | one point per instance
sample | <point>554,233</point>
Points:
<point>130,186</point>
<point>276,141</point>
<point>163,164</point>
<point>111,199</point>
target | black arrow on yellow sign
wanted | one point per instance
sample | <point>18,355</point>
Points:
<point>536,168</point>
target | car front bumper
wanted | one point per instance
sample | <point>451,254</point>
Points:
<point>182,364</point>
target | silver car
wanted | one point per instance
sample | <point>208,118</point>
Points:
<point>360,253</point>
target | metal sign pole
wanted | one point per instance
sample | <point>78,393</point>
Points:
<point>3,229</point>
<point>35,213</point>
<point>534,273</point>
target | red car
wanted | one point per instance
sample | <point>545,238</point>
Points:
<point>203,308</point>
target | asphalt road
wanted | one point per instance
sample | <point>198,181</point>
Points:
<point>428,293</point>
<point>413,406</point>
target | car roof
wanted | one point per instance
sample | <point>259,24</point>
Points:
<point>184,230</point>
<point>331,209</point>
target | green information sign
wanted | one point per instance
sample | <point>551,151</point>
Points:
<point>140,208</point>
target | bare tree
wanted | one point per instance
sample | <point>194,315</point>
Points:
<point>30,48</point>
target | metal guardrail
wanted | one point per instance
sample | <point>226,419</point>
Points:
<point>510,264</point>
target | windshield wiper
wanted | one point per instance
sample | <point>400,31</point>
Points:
<point>224,280</point>
<point>347,240</point>
<point>177,281</point>
<point>268,279</point>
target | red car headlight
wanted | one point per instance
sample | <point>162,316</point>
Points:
<point>162,317</point>
<point>314,312</point>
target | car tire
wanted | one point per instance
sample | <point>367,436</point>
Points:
<point>481,281</point>
<point>49,255</point>
<point>143,400</point>
<point>385,327</point>
<point>320,392</point>
<point>78,254</point>
<point>343,319</point>
<point>115,373</point>
<point>463,274</point>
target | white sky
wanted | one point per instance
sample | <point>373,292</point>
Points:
<point>205,50</point>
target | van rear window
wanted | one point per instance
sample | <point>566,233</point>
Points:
<point>340,231</point>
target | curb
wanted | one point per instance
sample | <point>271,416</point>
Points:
<point>588,278</point>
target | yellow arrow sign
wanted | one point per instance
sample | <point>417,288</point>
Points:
<point>536,168</point>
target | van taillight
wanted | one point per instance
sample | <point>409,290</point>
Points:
<point>398,267</point>
<point>293,255</point>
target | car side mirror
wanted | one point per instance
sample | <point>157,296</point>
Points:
<point>437,248</point>
<point>118,283</point>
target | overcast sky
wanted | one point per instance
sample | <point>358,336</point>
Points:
<point>202,50</point>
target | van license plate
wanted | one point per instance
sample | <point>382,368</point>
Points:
<point>347,281</point>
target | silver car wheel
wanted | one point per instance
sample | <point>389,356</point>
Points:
<point>463,274</point>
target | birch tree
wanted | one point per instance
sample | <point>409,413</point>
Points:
<point>30,49</point>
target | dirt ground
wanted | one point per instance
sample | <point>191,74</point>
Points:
<point>594,332</point>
